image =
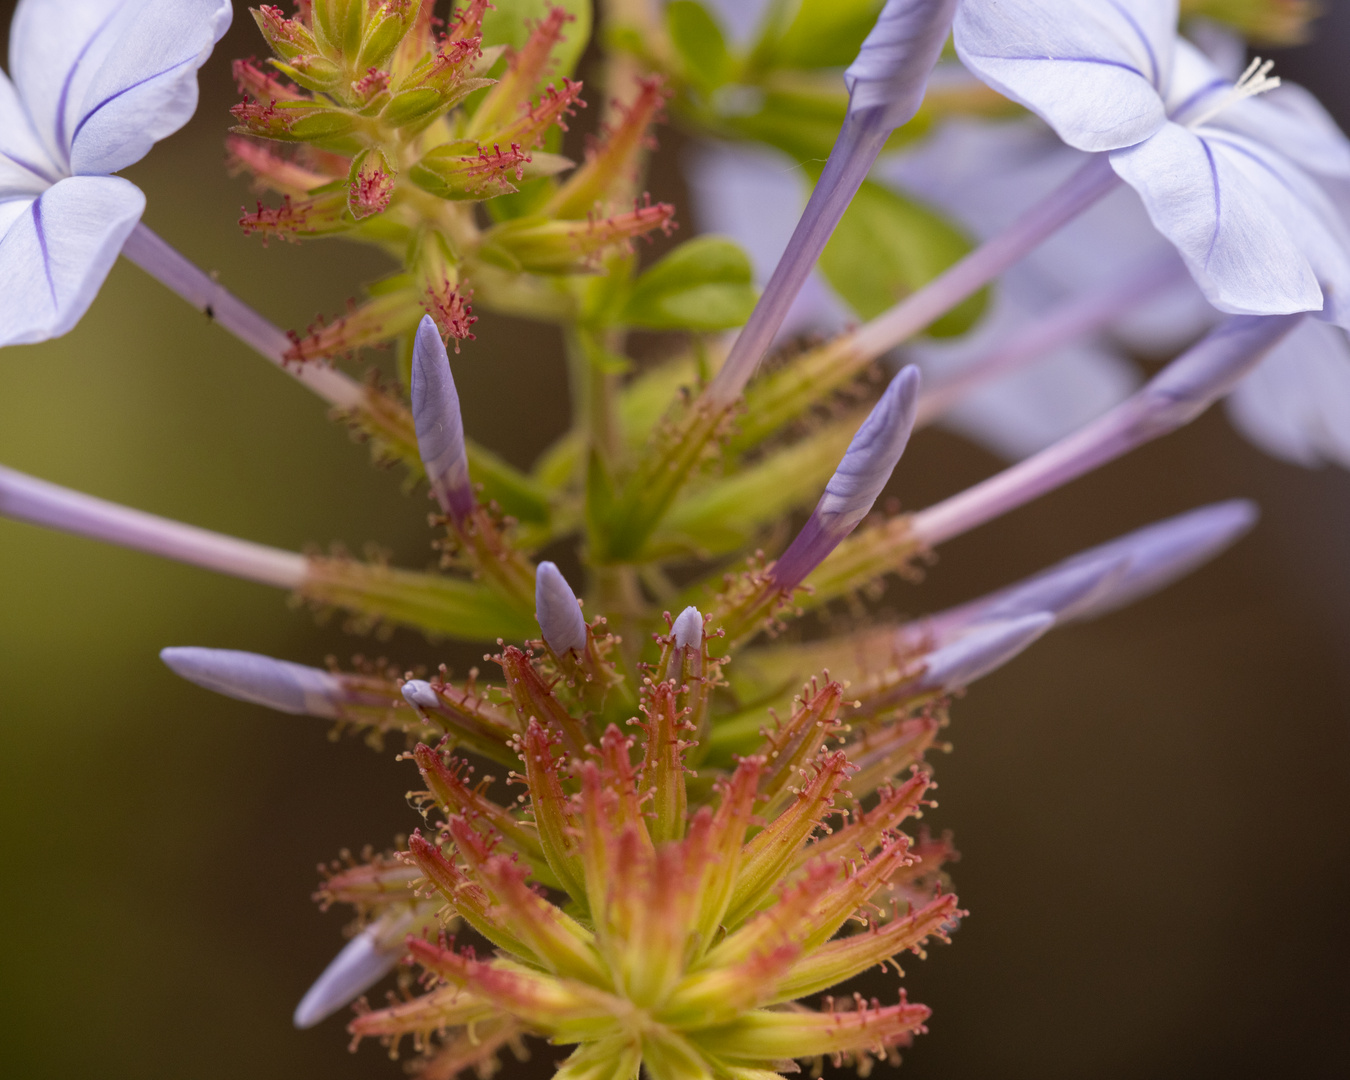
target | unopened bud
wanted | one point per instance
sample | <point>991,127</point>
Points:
<point>856,484</point>
<point>262,680</point>
<point>688,628</point>
<point>440,430</point>
<point>558,611</point>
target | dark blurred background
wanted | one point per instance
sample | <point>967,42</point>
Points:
<point>1154,809</point>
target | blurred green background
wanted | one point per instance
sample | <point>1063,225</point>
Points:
<point>1153,809</point>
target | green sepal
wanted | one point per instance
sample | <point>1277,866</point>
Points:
<point>383,35</point>
<point>313,72</point>
<point>435,604</point>
<point>704,284</point>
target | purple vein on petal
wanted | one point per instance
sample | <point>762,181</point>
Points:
<point>1143,40</point>
<point>70,77</point>
<point>126,89</point>
<point>42,243</point>
<point>1069,60</point>
<point>36,170</point>
<point>1218,201</point>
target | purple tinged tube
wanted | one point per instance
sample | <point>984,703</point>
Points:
<point>261,680</point>
<point>1172,398</point>
<point>440,428</point>
<point>866,466</point>
<point>178,273</point>
<point>886,84</point>
<point>1103,578</point>
<point>26,498</point>
<point>558,611</point>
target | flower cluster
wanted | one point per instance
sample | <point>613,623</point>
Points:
<point>696,823</point>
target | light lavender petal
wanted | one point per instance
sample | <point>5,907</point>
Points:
<point>262,680</point>
<point>440,428</point>
<point>1093,71</point>
<point>557,610</point>
<point>56,250</point>
<point>1296,404</point>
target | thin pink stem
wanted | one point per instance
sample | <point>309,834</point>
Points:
<point>26,498</point>
<point>170,268</point>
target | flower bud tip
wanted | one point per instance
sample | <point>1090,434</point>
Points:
<point>688,628</point>
<point>262,680</point>
<point>363,962</point>
<point>419,694</point>
<point>558,611</point>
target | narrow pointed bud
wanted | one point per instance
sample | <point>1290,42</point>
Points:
<point>440,429</point>
<point>986,647</point>
<point>558,611</point>
<point>25,498</point>
<point>886,83</point>
<point>363,962</point>
<point>892,68</point>
<point>246,676</point>
<point>856,484</point>
<point>1157,555</point>
<point>688,628</point>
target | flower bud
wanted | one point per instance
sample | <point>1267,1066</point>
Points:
<point>863,472</point>
<point>688,628</point>
<point>246,676</point>
<point>558,611</point>
<point>440,430</point>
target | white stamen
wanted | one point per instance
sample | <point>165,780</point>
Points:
<point>1257,79</point>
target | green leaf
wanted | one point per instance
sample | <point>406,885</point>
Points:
<point>704,284</point>
<point>509,23</point>
<point>824,34</point>
<point>699,41</point>
<point>886,247</point>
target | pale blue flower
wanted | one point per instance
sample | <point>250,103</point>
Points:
<point>1296,404</point>
<point>96,83</point>
<point>1226,177</point>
